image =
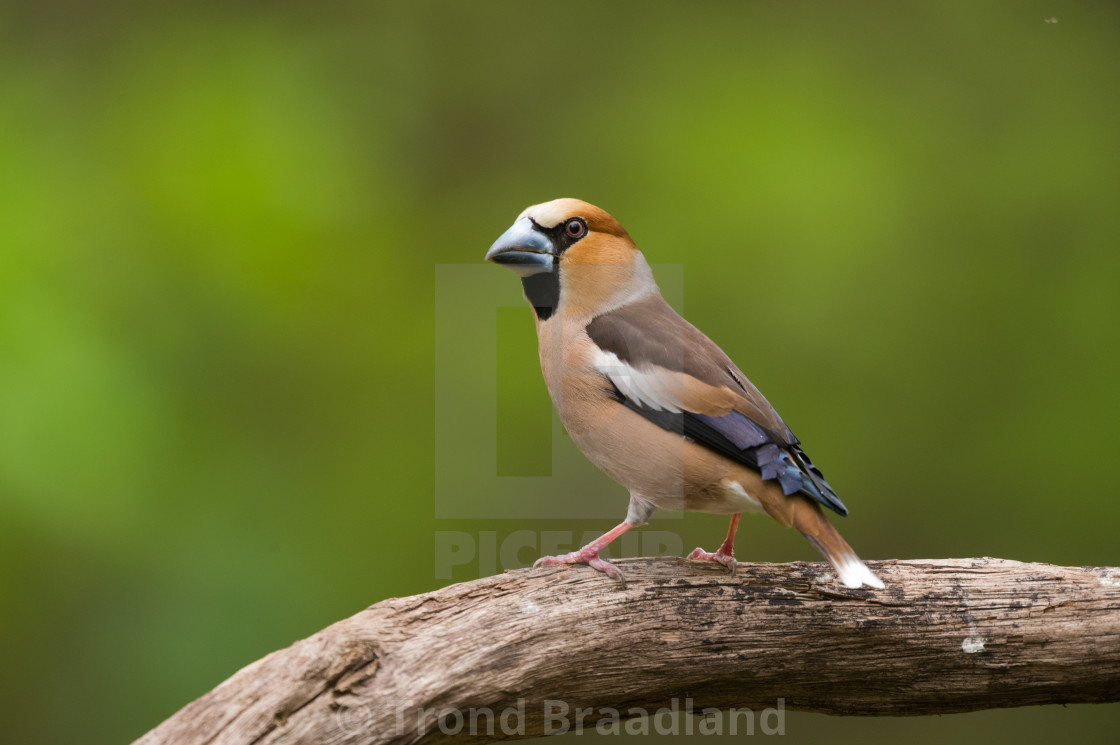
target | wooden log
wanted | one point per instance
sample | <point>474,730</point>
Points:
<point>945,636</point>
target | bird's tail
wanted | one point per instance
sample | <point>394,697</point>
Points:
<point>810,520</point>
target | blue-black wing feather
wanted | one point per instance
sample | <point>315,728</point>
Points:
<point>737,437</point>
<point>649,333</point>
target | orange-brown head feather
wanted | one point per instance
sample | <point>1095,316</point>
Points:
<point>601,270</point>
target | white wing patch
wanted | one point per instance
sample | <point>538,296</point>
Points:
<point>649,388</point>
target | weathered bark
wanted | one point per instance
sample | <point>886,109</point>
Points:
<point>945,636</point>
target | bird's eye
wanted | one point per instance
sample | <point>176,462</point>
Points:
<point>575,228</point>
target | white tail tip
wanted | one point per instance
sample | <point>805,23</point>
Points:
<point>854,573</point>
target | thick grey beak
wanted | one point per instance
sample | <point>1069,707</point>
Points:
<point>524,249</point>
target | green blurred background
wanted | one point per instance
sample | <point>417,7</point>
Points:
<point>220,227</point>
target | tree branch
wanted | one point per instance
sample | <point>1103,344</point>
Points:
<point>945,636</point>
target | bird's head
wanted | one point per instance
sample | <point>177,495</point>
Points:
<point>572,254</point>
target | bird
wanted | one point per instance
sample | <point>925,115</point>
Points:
<point>651,400</point>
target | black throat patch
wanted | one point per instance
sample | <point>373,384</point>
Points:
<point>543,291</point>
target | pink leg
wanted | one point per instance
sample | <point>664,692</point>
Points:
<point>726,553</point>
<point>589,554</point>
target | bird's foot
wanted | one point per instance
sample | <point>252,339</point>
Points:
<point>587,555</point>
<point>719,556</point>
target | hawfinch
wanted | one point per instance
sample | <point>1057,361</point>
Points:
<point>652,401</point>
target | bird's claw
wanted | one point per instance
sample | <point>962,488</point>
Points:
<point>592,559</point>
<point>719,557</point>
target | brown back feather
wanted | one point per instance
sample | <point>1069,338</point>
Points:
<point>650,333</point>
